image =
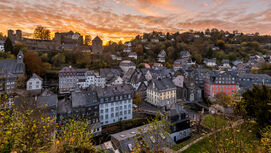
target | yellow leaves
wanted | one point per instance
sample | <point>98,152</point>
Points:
<point>71,139</point>
<point>57,142</point>
<point>262,140</point>
<point>253,122</point>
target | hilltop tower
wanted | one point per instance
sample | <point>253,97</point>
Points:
<point>97,45</point>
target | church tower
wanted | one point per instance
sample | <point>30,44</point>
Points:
<point>20,57</point>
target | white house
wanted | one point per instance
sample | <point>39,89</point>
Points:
<point>115,103</point>
<point>210,62</point>
<point>133,55</point>
<point>34,83</point>
<point>99,81</point>
<point>2,48</point>
<point>162,56</point>
<point>226,64</point>
<point>117,81</point>
<point>90,78</point>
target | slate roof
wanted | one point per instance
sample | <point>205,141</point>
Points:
<point>47,99</point>
<point>11,66</point>
<point>162,53</point>
<point>35,76</point>
<point>67,69</point>
<point>109,73</point>
<point>90,73</point>
<point>8,75</point>
<point>206,60</point>
<point>84,99</point>
<point>137,77</point>
<point>162,84</point>
<point>127,76</point>
<point>127,63</point>
<point>225,61</point>
<point>160,72</point>
<point>132,54</point>
<point>114,90</point>
<point>255,76</point>
<point>126,137</point>
<point>185,53</point>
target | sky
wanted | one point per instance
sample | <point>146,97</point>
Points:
<point>123,19</point>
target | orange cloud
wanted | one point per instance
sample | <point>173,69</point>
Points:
<point>99,17</point>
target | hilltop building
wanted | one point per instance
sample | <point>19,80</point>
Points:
<point>97,45</point>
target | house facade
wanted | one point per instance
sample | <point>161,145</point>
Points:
<point>34,83</point>
<point>162,56</point>
<point>222,82</point>
<point>209,62</point>
<point>7,82</point>
<point>115,103</point>
<point>67,79</point>
<point>86,105</point>
<point>161,92</point>
<point>2,46</point>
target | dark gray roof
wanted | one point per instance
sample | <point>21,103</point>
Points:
<point>162,84</point>
<point>11,66</point>
<point>160,72</point>
<point>84,99</point>
<point>114,90</point>
<point>127,63</point>
<point>255,76</point>
<point>67,69</point>
<point>8,75</point>
<point>137,77</point>
<point>185,53</point>
<point>127,137</point>
<point>47,99</point>
<point>109,73</point>
<point>127,76</point>
<point>225,61</point>
<point>90,73</point>
<point>132,54</point>
<point>35,76</point>
<point>209,60</point>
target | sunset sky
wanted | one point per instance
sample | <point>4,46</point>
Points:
<point>123,19</point>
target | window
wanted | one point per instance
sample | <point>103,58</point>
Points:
<point>112,114</point>
<point>112,109</point>
<point>106,116</point>
<point>102,111</point>
<point>106,110</point>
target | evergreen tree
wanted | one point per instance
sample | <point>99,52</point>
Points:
<point>8,45</point>
<point>257,104</point>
